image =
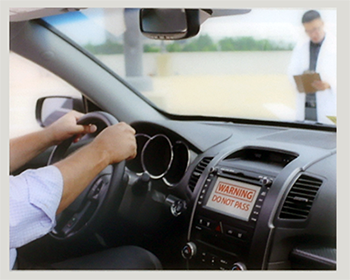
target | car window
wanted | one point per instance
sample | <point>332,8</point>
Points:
<point>28,82</point>
<point>236,67</point>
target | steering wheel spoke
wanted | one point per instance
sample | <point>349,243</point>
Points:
<point>77,220</point>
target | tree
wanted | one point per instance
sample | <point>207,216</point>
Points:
<point>108,47</point>
<point>202,43</point>
<point>250,44</point>
<point>151,48</point>
<point>174,47</point>
<point>226,44</point>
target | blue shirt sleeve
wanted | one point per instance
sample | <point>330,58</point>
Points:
<point>34,198</point>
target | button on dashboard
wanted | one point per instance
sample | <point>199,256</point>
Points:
<point>235,232</point>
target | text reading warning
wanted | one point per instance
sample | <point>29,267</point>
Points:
<point>233,198</point>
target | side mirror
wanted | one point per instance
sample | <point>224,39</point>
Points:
<point>169,24</point>
<point>51,108</point>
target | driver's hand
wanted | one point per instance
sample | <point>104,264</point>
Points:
<point>67,126</point>
<point>117,142</point>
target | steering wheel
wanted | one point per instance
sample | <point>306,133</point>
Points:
<point>90,209</point>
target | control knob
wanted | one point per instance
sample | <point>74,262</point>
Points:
<point>178,207</point>
<point>239,266</point>
<point>266,182</point>
<point>189,250</point>
<point>213,170</point>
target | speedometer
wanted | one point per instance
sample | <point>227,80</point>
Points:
<point>135,164</point>
<point>157,156</point>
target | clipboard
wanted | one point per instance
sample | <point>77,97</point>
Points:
<point>304,82</point>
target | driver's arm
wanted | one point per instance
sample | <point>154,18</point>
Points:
<point>37,195</point>
<point>114,144</point>
<point>25,148</point>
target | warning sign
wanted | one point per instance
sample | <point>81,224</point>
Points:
<point>233,198</point>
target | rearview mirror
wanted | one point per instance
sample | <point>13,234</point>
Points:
<point>169,24</point>
<point>51,108</point>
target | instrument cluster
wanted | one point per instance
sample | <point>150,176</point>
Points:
<point>161,158</point>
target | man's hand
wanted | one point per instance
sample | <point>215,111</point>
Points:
<point>25,148</point>
<point>117,142</point>
<point>320,85</point>
<point>67,126</point>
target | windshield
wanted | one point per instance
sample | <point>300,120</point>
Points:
<point>238,66</point>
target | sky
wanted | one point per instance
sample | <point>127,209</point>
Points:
<point>274,24</point>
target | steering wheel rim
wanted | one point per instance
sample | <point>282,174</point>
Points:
<point>105,192</point>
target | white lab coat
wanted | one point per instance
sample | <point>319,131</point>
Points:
<point>326,66</point>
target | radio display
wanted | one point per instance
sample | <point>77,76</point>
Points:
<point>233,198</point>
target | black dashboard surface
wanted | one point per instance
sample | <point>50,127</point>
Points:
<point>291,223</point>
<point>241,152</point>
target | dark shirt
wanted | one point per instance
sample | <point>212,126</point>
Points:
<point>310,100</point>
<point>314,50</point>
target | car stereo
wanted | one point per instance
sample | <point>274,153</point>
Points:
<point>223,223</point>
<point>233,198</point>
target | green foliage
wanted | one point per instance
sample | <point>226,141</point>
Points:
<point>108,47</point>
<point>250,44</point>
<point>174,47</point>
<point>151,48</point>
<point>203,43</point>
<point>227,44</point>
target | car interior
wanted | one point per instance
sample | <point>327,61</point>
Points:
<point>206,191</point>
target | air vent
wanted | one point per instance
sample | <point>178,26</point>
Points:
<point>299,201</point>
<point>197,172</point>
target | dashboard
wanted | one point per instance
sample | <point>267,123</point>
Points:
<point>254,197</point>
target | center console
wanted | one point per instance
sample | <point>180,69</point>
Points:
<point>228,208</point>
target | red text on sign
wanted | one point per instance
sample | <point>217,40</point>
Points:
<point>235,191</point>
